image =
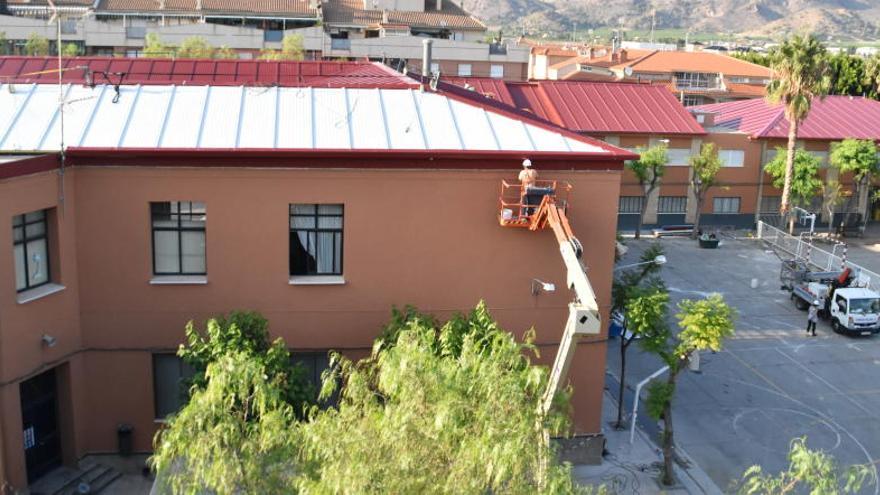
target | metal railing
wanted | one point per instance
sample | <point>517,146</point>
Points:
<point>803,248</point>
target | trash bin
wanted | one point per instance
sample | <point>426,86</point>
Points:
<point>123,437</point>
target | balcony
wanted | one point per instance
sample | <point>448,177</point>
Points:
<point>694,81</point>
<point>497,49</point>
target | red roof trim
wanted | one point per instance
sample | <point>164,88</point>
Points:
<point>28,166</point>
<point>353,159</point>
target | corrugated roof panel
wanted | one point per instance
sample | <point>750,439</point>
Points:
<point>443,133</point>
<point>221,120</point>
<point>147,117</point>
<point>476,132</point>
<point>35,118</point>
<point>295,130</point>
<point>12,100</point>
<point>109,120</point>
<point>511,134</point>
<point>185,118</point>
<point>258,120</point>
<point>547,140</point>
<point>367,119</point>
<point>81,102</point>
<point>404,122</point>
<point>331,119</point>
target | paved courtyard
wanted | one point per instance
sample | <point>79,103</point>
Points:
<point>772,382</point>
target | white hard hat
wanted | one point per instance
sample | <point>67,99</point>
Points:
<point>816,302</point>
<point>527,163</point>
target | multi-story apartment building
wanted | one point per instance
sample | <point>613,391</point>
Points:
<point>381,30</point>
<point>696,78</point>
<point>318,194</point>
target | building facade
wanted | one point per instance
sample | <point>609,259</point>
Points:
<point>178,203</point>
<point>389,32</point>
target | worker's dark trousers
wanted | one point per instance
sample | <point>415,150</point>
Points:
<point>811,326</point>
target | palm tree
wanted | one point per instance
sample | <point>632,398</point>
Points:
<point>800,67</point>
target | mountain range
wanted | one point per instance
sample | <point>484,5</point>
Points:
<point>835,19</point>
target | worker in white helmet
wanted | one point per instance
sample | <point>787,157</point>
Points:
<point>812,318</point>
<point>528,177</point>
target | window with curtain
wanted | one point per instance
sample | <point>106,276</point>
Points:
<point>30,246</point>
<point>726,205</point>
<point>179,238</point>
<point>316,239</point>
<point>672,204</point>
<point>630,204</point>
<point>170,375</point>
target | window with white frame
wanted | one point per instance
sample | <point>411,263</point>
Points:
<point>678,157</point>
<point>435,68</point>
<point>496,71</point>
<point>179,238</point>
<point>692,100</point>
<point>630,204</point>
<point>732,158</point>
<point>726,206</point>
<point>672,204</point>
<point>464,70</point>
<point>316,239</point>
<point>170,379</point>
<point>30,247</point>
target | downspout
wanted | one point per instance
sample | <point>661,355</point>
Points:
<point>760,181</point>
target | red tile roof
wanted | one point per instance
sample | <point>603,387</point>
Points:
<point>205,72</point>
<point>834,118</point>
<point>593,108</point>
<point>668,62</point>
<point>352,12</point>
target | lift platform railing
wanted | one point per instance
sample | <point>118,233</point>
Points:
<point>514,209</point>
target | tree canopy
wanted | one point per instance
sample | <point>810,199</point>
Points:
<point>857,156</point>
<point>291,49</point>
<point>36,45</point>
<point>809,471</point>
<point>704,176</point>
<point>805,181</point>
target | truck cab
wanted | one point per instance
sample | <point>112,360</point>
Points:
<point>855,311</point>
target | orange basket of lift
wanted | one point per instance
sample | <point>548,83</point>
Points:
<point>518,207</point>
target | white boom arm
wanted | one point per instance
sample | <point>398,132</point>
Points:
<point>583,312</point>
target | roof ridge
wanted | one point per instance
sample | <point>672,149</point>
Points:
<point>779,114</point>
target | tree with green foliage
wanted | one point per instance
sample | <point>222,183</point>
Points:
<point>800,67</point>
<point>246,332</point>
<point>195,47</point>
<point>36,45</point>
<point>846,74</point>
<point>704,176</point>
<point>627,289</point>
<point>154,48</point>
<point>5,49</point>
<point>291,49</point>
<point>225,52</point>
<point>858,157</point>
<point>804,182</point>
<point>872,74</point>
<point>649,170</point>
<point>70,50</point>
<point>234,436</point>
<point>809,471</point>
<point>703,325</point>
<point>454,408</point>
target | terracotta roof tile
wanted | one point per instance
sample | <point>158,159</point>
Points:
<point>668,62</point>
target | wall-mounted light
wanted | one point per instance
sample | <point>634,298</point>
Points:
<point>48,340</point>
<point>539,286</point>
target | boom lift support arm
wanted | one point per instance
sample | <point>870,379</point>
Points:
<point>583,311</point>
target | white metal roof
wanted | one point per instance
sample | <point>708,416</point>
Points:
<point>205,117</point>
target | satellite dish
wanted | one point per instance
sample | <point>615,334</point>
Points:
<point>628,71</point>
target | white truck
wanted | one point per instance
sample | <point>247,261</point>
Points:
<point>843,299</point>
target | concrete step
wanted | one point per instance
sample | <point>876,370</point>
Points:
<point>93,479</point>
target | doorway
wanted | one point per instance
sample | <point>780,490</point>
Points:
<point>39,418</point>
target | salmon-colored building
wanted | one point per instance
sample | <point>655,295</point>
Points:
<point>319,203</point>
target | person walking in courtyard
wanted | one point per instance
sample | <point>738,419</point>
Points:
<point>812,318</point>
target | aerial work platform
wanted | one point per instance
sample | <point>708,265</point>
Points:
<point>535,208</point>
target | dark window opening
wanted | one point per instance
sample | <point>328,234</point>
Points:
<point>178,238</point>
<point>316,239</point>
<point>30,245</point>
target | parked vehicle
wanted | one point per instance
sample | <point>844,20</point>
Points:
<point>842,297</point>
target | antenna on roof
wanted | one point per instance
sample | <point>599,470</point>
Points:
<point>57,19</point>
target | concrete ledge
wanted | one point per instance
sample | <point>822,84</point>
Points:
<point>582,449</point>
